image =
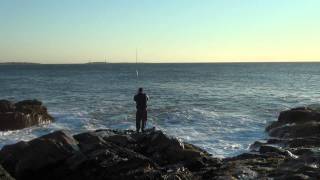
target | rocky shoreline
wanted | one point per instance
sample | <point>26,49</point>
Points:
<point>22,114</point>
<point>291,152</point>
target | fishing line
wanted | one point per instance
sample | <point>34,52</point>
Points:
<point>137,72</point>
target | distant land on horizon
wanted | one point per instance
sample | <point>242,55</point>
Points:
<point>99,62</point>
<point>16,63</point>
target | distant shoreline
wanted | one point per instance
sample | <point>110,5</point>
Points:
<point>96,63</point>
<point>18,63</point>
<point>106,63</point>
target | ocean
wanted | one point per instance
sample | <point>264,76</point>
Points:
<point>222,108</point>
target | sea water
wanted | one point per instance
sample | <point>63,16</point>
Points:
<point>222,108</point>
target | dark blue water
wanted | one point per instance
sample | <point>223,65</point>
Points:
<point>220,107</point>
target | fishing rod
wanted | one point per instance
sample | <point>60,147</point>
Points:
<point>137,72</point>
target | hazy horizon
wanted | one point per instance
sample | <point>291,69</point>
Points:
<point>155,62</point>
<point>170,31</point>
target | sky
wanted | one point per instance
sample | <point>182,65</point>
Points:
<point>79,31</point>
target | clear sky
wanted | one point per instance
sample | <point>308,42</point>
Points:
<point>76,31</point>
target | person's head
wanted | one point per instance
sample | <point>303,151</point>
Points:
<point>140,90</point>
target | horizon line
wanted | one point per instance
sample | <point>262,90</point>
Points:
<point>186,62</point>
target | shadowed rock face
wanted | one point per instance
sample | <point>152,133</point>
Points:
<point>296,123</point>
<point>22,114</point>
<point>105,154</point>
<point>291,153</point>
<point>297,138</point>
<point>4,175</point>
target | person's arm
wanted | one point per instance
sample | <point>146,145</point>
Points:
<point>147,97</point>
<point>135,98</point>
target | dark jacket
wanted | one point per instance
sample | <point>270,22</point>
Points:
<point>141,101</point>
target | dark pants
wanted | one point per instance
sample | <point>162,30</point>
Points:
<point>141,118</point>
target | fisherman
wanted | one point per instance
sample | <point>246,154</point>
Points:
<point>141,104</point>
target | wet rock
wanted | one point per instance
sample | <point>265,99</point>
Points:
<point>159,142</point>
<point>297,116</point>
<point>89,141</point>
<point>178,174</point>
<point>308,142</point>
<point>293,177</point>
<point>24,159</point>
<point>4,175</point>
<point>232,170</point>
<point>28,106</point>
<point>292,153</point>
<point>256,145</point>
<point>298,167</point>
<point>166,150</point>
<point>121,140</point>
<point>296,123</point>
<point>297,137</point>
<point>22,114</point>
<point>6,106</point>
<point>110,162</point>
<point>106,154</point>
<point>242,172</point>
<point>296,131</point>
<point>268,148</point>
<point>302,151</point>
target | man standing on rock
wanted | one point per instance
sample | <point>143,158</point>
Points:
<point>141,104</point>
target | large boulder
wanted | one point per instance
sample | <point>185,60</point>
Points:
<point>6,106</point>
<point>37,157</point>
<point>297,131</point>
<point>295,123</point>
<point>293,153</point>
<point>107,160</point>
<point>4,175</point>
<point>296,138</point>
<point>22,114</point>
<point>105,154</point>
<point>299,115</point>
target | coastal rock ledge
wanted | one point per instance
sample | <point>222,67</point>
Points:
<point>22,114</point>
<point>291,152</point>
